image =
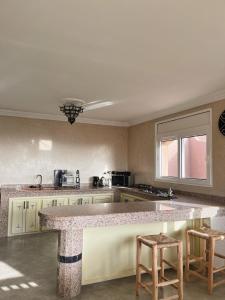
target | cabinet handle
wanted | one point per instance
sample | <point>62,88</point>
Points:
<point>24,204</point>
<point>27,205</point>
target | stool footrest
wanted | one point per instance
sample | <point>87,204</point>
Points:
<point>171,297</point>
<point>167,279</point>
<point>145,286</point>
<point>168,282</point>
<point>147,270</point>
<point>197,275</point>
<point>170,264</point>
<point>219,283</point>
<point>219,270</point>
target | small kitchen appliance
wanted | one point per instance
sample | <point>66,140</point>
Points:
<point>77,184</point>
<point>64,178</point>
<point>95,181</point>
<point>122,178</point>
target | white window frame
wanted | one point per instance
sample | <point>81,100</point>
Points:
<point>179,134</point>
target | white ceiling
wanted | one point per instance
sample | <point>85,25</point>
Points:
<point>149,57</point>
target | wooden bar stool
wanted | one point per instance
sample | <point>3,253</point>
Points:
<point>159,242</point>
<point>209,238</point>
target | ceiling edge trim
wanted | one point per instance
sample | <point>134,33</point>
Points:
<point>207,99</point>
<point>30,115</point>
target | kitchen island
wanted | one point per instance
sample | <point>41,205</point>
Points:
<point>72,221</point>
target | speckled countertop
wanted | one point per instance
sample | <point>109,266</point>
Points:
<point>186,206</point>
<point>98,215</point>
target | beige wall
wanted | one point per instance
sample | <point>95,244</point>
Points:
<point>90,148</point>
<point>141,153</point>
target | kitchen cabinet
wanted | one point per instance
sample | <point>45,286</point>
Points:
<point>23,216</point>
<point>130,198</point>
<point>54,201</point>
<point>32,219</point>
<point>80,200</point>
<point>103,198</point>
<point>23,212</point>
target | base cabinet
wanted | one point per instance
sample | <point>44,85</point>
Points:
<point>130,198</point>
<point>18,217</point>
<point>23,212</point>
<point>80,200</point>
<point>32,219</point>
<point>103,199</point>
<point>23,216</point>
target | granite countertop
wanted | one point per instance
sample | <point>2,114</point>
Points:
<point>185,206</point>
<point>98,215</point>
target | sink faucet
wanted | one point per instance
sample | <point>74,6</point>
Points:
<point>39,178</point>
<point>170,192</point>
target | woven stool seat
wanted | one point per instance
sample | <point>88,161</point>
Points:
<point>160,240</point>
<point>206,232</point>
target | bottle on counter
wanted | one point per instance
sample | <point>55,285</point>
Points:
<point>77,183</point>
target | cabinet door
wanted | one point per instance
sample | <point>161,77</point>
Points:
<point>80,200</point>
<point>61,201</point>
<point>75,201</point>
<point>18,216</point>
<point>103,199</point>
<point>47,203</point>
<point>87,200</point>
<point>32,219</point>
<point>129,198</point>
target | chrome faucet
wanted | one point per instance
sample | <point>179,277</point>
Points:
<point>39,178</point>
<point>170,192</point>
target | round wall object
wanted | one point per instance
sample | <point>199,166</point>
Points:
<point>221,123</point>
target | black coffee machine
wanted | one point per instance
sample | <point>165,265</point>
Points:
<point>58,174</point>
<point>95,181</point>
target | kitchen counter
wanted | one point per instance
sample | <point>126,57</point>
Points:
<point>109,214</point>
<point>70,222</point>
<point>14,191</point>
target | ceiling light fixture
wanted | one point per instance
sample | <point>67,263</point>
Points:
<point>72,107</point>
<point>71,111</point>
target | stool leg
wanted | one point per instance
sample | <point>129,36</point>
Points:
<point>162,273</point>
<point>204,255</point>
<point>211,263</point>
<point>138,260</point>
<point>154,273</point>
<point>188,253</point>
<point>180,271</point>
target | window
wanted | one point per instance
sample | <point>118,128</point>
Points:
<point>169,158</point>
<point>194,150</point>
<point>183,149</point>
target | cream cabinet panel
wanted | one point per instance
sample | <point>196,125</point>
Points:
<point>80,200</point>
<point>54,201</point>
<point>61,201</point>
<point>17,216</point>
<point>23,215</point>
<point>103,199</point>
<point>32,219</point>
<point>130,198</point>
<point>47,203</point>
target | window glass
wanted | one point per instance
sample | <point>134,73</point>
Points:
<point>169,158</point>
<point>194,157</point>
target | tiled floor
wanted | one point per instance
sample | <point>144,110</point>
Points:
<point>29,262</point>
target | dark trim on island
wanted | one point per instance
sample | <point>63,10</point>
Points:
<point>69,259</point>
